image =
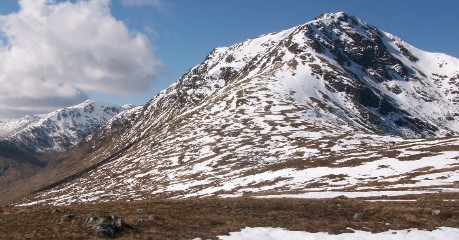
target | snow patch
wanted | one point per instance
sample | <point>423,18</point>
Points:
<point>281,234</point>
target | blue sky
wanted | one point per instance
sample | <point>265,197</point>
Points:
<point>183,32</point>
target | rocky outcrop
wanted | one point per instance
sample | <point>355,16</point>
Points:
<point>110,225</point>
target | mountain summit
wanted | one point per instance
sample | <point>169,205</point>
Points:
<point>343,70</point>
<point>319,107</point>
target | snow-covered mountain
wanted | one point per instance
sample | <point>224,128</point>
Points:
<point>58,130</point>
<point>16,125</point>
<point>324,106</point>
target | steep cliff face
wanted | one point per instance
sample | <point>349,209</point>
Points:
<point>321,106</point>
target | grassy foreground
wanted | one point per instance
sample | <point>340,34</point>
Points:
<point>210,217</point>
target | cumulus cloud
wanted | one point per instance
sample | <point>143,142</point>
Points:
<point>54,54</point>
<point>153,3</point>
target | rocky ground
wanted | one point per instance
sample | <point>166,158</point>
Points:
<point>208,218</point>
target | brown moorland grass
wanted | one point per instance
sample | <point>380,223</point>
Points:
<point>211,217</point>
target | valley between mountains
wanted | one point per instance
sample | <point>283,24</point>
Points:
<point>333,108</point>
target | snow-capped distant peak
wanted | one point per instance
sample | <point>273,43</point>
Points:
<point>61,129</point>
<point>16,125</point>
<point>128,106</point>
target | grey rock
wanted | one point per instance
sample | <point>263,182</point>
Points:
<point>106,229</point>
<point>92,219</point>
<point>155,218</point>
<point>436,212</point>
<point>106,225</point>
<point>139,221</point>
<point>358,216</point>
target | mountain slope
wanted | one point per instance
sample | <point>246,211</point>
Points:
<point>305,109</point>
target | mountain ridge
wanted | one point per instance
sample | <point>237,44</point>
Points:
<point>324,106</point>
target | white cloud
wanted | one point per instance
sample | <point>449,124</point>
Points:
<point>153,3</point>
<point>53,54</point>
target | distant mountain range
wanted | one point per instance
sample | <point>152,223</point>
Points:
<point>335,104</point>
<point>28,145</point>
<point>58,130</point>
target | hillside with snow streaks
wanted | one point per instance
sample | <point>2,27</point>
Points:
<point>331,105</point>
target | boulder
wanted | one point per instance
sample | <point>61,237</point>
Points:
<point>106,225</point>
<point>436,212</point>
<point>154,217</point>
<point>358,216</point>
